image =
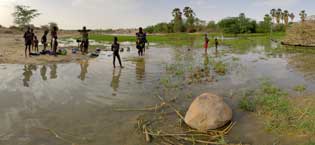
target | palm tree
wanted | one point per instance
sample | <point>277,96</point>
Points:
<point>285,16</point>
<point>303,15</point>
<point>273,14</point>
<point>178,22</point>
<point>292,16</point>
<point>188,12</point>
<point>278,15</point>
<point>177,13</point>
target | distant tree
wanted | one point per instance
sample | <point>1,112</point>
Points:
<point>44,27</point>
<point>190,16</point>
<point>273,14</point>
<point>23,15</point>
<point>292,16</point>
<point>285,16</point>
<point>265,26</point>
<point>278,15</point>
<point>303,15</point>
<point>52,25</point>
<point>211,26</point>
<point>178,20</point>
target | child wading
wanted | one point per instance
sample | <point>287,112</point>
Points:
<point>28,37</point>
<point>54,37</point>
<point>85,40</point>
<point>141,40</point>
<point>206,43</point>
<point>216,43</point>
<point>44,41</point>
<point>115,49</point>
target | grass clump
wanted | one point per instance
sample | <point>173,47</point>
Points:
<point>282,114</point>
<point>247,104</point>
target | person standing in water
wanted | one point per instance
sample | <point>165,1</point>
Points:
<point>44,41</point>
<point>85,40</point>
<point>115,49</point>
<point>54,42</point>
<point>216,43</point>
<point>206,43</point>
<point>28,37</point>
<point>141,40</point>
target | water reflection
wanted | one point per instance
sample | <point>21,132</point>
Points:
<point>140,69</point>
<point>43,71</point>
<point>28,74</point>
<point>115,80</point>
<point>84,64</point>
<point>53,71</point>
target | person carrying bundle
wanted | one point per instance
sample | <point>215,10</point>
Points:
<point>85,40</point>
<point>141,40</point>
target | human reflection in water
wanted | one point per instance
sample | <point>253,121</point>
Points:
<point>206,64</point>
<point>43,71</point>
<point>115,80</point>
<point>53,71</point>
<point>28,73</point>
<point>140,69</point>
<point>84,64</point>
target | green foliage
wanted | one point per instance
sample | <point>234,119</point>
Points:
<point>237,25</point>
<point>299,88</point>
<point>23,15</point>
<point>160,28</point>
<point>247,104</point>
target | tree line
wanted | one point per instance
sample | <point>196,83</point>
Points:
<point>186,21</point>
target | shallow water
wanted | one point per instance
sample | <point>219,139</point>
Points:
<point>76,100</point>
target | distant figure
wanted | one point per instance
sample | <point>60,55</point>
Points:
<point>54,42</point>
<point>141,40</point>
<point>206,43</point>
<point>85,40</point>
<point>44,40</point>
<point>36,43</point>
<point>28,36</point>
<point>216,42</point>
<point>115,49</point>
<point>33,35</point>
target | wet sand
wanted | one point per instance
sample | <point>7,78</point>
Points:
<point>12,49</point>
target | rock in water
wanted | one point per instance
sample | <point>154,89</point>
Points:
<point>208,111</point>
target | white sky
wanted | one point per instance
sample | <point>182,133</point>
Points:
<point>72,14</point>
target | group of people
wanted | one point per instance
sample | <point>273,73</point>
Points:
<point>31,41</point>
<point>141,40</point>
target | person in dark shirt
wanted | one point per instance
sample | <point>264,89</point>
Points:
<point>84,40</point>
<point>28,36</point>
<point>54,37</point>
<point>36,43</point>
<point>33,34</point>
<point>216,43</point>
<point>44,40</point>
<point>141,40</point>
<point>115,49</point>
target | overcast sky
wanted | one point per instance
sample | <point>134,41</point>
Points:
<point>72,14</point>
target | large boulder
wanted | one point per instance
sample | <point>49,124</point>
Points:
<point>208,111</point>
